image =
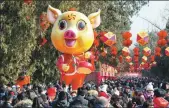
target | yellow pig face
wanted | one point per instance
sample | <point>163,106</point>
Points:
<point>72,31</point>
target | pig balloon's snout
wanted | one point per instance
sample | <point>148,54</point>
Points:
<point>69,34</point>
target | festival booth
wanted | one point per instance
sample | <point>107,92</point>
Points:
<point>107,72</point>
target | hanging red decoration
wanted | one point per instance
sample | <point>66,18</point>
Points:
<point>136,51</point>
<point>44,40</point>
<point>162,42</point>
<point>27,1</point>
<point>114,50</point>
<point>167,51</point>
<point>44,22</point>
<point>152,58</point>
<point>146,51</point>
<point>162,34</point>
<point>102,33</point>
<point>126,35</point>
<point>27,17</point>
<point>144,59</point>
<point>95,34</point>
<point>125,51</point>
<point>104,52</point>
<point>157,51</point>
<point>128,59</point>
<point>120,58</point>
<point>127,42</point>
<point>136,59</point>
<point>142,38</point>
<point>72,9</point>
<point>96,42</point>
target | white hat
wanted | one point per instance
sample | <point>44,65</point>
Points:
<point>116,91</point>
<point>150,87</point>
<point>104,88</point>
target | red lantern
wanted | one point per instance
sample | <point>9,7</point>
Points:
<point>120,58</point>
<point>136,59</point>
<point>114,50</point>
<point>127,42</point>
<point>162,42</point>
<point>162,34</point>
<point>126,35</point>
<point>136,51</point>
<point>157,51</point>
<point>152,58</point>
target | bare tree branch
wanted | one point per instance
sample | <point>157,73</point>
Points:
<point>151,23</point>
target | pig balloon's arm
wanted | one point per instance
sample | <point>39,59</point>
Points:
<point>60,63</point>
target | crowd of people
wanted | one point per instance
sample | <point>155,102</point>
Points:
<point>124,92</point>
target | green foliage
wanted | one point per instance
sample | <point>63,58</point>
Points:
<point>18,39</point>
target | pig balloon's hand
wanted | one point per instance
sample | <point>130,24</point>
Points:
<point>88,55</point>
<point>65,67</point>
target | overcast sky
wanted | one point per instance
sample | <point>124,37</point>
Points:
<point>153,12</point>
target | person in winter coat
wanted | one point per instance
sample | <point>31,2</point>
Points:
<point>8,102</point>
<point>62,101</point>
<point>80,98</point>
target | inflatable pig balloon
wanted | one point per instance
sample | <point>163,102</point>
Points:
<point>72,34</point>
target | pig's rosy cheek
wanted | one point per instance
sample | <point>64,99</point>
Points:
<point>81,25</point>
<point>62,24</point>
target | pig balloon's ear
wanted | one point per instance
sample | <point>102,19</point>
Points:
<point>95,19</point>
<point>52,14</point>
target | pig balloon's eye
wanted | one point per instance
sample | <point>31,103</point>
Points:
<point>62,24</point>
<point>81,25</point>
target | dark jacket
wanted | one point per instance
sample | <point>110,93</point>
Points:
<point>80,100</point>
<point>60,104</point>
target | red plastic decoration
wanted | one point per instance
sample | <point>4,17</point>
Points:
<point>126,35</point>
<point>136,59</point>
<point>96,42</point>
<point>43,41</point>
<point>162,34</point>
<point>162,42</point>
<point>120,58</point>
<point>114,50</point>
<point>102,33</point>
<point>136,51</point>
<point>95,34</point>
<point>157,51</point>
<point>127,42</point>
<point>152,58</point>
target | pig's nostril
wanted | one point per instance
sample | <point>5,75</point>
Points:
<point>69,34</point>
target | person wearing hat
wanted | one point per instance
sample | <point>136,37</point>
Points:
<point>80,98</point>
<point>102,102</point>
<point>149,91</point>
<point>51,91</point>
<point>103,91</point>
